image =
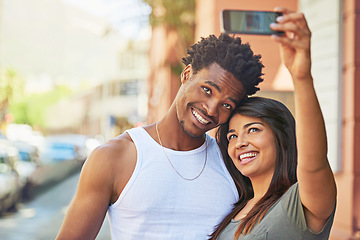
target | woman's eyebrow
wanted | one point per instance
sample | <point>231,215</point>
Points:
<point>230,131</point>
<point>252,123</point>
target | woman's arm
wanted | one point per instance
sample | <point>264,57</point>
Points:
<point>316,181</point>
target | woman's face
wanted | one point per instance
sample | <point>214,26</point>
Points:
<point>252,146</point>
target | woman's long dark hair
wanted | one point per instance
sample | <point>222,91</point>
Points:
<point>282,123</point>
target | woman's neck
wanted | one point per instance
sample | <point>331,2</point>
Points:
<point>260,186</point>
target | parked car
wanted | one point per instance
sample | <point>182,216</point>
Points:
<point>24,168</point>
<point>28,152</point>
<point>10,184</point>
<point>67,147</point>
<point>27,162</point>
<point>60,151</point>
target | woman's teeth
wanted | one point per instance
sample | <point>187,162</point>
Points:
<point>247,155</point>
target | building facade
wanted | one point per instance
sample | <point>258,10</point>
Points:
<point>335,27</point>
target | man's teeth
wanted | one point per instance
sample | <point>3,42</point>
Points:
<point>247,155</point>
<point>200,118</point>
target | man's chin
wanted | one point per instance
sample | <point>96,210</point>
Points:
<point>198,135</point>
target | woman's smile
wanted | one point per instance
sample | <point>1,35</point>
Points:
<point>247,157</point>
<point>251,140</point>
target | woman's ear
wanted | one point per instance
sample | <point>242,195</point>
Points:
<point>186,73</point>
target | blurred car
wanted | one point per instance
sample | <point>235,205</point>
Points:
<point>10,184</point>
<point>26,167</point>
<point>64,147</point>
<point>60,151</point>
<point>28,152</point>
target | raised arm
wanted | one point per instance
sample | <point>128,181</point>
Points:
<point>102,178</point>
<point>316,181</point>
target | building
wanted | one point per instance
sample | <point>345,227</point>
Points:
<point>51,43</point>
<point>335,27</point>
<point>113,105</point>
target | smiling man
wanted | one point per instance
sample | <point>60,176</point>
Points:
<point>167,180</point>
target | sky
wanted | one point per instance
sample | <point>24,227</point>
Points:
<point>127,16</point>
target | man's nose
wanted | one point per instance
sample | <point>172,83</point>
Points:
<point>211,108</point>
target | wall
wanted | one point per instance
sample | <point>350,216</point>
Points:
<point>347,219</point>
<point>337,69</point>
<point>163,83</point>
<point>208,22</point>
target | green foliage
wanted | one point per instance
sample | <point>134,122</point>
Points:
<point>177,68</point>
<point>179,15</point>
<point>11,85</point>
<point>31,109</point>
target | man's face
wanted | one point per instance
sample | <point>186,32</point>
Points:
<point>206,99</point>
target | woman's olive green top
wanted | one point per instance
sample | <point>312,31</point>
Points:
<point>285,220</point>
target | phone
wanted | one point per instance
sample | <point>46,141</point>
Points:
<point>249,22</point>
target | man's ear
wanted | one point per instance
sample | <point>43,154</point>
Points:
<point>186,73</point>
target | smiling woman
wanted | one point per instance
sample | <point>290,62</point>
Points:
<point>259,148</point>
<point>282,194</point>
<point>252,146</point>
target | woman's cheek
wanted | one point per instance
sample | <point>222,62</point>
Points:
<point>231,150</point>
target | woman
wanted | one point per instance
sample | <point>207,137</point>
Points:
<point>286,186</point>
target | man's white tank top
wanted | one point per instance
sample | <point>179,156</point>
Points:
<point>158,204</point>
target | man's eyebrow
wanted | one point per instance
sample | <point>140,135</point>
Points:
<point>233,100</point>
<point>214,85</point>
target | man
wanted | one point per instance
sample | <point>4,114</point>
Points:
<point>167,180</point>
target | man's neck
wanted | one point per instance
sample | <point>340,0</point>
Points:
<point>174,137</point>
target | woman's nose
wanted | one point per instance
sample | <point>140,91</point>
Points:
<point>241,142</point>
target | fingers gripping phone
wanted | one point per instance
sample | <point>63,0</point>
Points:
<point>249,22</point>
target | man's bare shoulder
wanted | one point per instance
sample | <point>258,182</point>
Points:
<point>112,164</point>
<point>115,150</point>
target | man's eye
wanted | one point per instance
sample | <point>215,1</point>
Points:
<point>227,106</point>
<point>207,90</point>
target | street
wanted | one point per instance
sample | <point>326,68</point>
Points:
<point>41,218</point>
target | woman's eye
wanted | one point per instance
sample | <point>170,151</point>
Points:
<point>207,90</point>
<point>253,130</point>
<point>232,136</point>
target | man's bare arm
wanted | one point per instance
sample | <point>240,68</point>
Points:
<point>104,175</point>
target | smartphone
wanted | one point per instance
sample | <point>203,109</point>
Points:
<point>249,22</point>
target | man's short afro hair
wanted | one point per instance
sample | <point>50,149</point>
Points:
<point>232,55</point>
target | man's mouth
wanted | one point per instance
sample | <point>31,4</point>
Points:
<point>199,117</point>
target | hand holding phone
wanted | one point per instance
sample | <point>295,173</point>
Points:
<point>249,22</point>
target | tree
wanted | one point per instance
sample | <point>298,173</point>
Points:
<point>178,15</point>
<point>11,85</point>
<point>31,109</point>
<point>173,26</point>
